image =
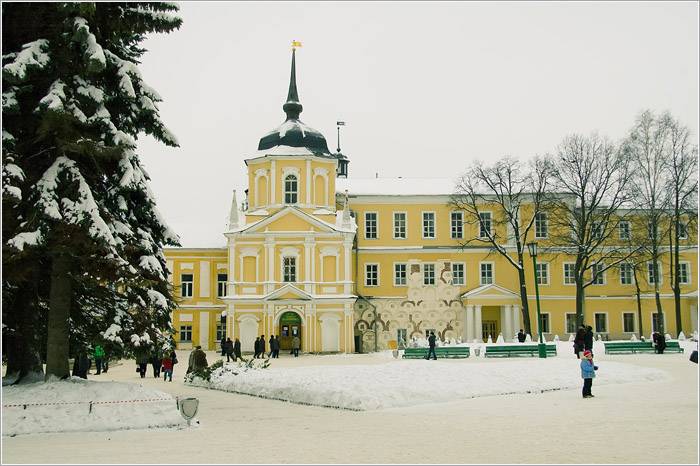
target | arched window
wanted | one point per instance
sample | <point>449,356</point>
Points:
<point>290,190</point>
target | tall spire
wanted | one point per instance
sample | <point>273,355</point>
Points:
<point>233,221</point>
<point>292,107</point>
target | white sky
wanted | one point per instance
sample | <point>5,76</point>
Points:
<point>425,88</point>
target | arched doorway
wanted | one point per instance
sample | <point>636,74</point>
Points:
<point>290,326</point>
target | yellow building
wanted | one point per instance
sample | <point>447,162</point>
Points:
<point>314,254</point>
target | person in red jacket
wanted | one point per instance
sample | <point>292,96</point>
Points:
<point>167,368</point>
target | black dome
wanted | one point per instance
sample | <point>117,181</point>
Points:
<point>294,133</point>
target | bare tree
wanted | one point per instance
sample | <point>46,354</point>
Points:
<point>504,186</point>
<point>682,165</point>
<point>589,176</point>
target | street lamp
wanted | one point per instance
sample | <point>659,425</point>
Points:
<point>532,247</point>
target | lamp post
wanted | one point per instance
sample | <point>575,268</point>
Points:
<point>532,247</point>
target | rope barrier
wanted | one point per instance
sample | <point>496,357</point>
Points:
<point>24,405</point>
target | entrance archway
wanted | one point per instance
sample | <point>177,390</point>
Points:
<point>290,326</point>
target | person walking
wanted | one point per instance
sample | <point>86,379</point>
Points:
<point>588,339</point>
<point>200,358</point>
<point>272,347</point>
<point>256,347</point>
<point>236,350</point>
<point>262,346</point>
<point>588,373</point>
<point>277,344</point>
<point>83,364</point>
<point>190,361</point>
<point>142,361</point>
<point>156,361</point>
<point>99,355</point>
<point>296,344</point>
<point>229,350</point>
<point>578,341</point>
<point>167,367</point>
<point>431,346</point>
<point>521,336</point>
<point>223,346</point>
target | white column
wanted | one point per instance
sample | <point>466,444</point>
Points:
<point>469,323</point>
<point>477,323</point>
<point>273,183</point>
<point>508,332</point>
<point>516,317</point>
<point>693,318</point>
<point>309,182</point>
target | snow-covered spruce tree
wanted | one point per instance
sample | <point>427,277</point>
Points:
<point>82,218</point>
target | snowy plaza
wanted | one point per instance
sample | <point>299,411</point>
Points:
<point>470,411</point>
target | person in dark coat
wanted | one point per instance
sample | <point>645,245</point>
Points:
<point>588,339</point>
<point>579,341</point>
<point>276,353</point>
<point>272,347</point>
<point>228,346</point>
<point>236,350</point>
<point>256,347</point>
<point>83,365</point>
<point>431,346</point>
<point>142,362</point>
<point>200,358</point>
<point>156,361</point>
<point>296,345</point>
<point>223,346</point>
<point>521,336</point>
<point>262,346</point>
<point>659,342</point>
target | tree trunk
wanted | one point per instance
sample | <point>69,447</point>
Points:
<point>639,306</point>
<point>523,299</point>
<point>20,345</point>
<point>57,350</point>
<point>676,280</point>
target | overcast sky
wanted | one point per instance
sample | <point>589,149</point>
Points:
<point>425,88</point>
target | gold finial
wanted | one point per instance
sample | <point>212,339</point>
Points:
<point>295,44</point>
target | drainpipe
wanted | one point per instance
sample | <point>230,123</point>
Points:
<point>357,292</point>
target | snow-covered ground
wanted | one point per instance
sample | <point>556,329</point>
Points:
<point>643,402</point>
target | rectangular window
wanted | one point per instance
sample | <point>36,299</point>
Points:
<point>652,232</point>
<point>370,225</point>
<point>428,274</point>
<point>485,227</point>
<point>596,230</point>
<point>290,189</point>
<point>601,322</point>
<point>545,322</point>
<point>569,274</point>
<point>372,274</point>
<point>626,274</point>
<point>456,225</point>
<point>571,323</point>
<point>221,279</point>
<point>598,273</point>
<point>486,269</point>
<point>650,273</point>
<point>186,285</point>
<point>220,332</point>
<point>543,273</point>
<point>684,273</point>
<point>541,225</point>
<point>427,333</point>
<point>628,322</point>
<point>624,230</point>
<point>458,273</point>
<point>289,265</point>
<point>401,336</point>
<point>682,230</point>
<point>428,224</point>
<point>399,225</point>
<point>655,324</point>
<point>185,333</point>
<point>400,274</point>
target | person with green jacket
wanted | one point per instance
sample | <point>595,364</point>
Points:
<point>99,356</point>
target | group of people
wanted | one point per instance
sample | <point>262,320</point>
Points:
<point>583,341</point>
<point>232,350</point>
<point>83,363</point>
<point>259,347</point>
<point>161,362</point>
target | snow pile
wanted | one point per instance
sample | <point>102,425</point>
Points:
<point>79,405</point>
<point>413,382</point>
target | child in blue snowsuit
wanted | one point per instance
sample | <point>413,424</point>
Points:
<point>587,373</point>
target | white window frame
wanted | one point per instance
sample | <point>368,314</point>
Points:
<point>688,279</point>
<point>457,224</point>
<point>397,277</point>
<point>485,224</point>
<point>291,196</point>
<point>429,274</point>
<point>369,272</point>
<point>542,266</point>
<point>595,322</point>
<point>601,276</point>
<point>463,266</point>
<point>573,273</point>
<point>289,269</point>
<point>650,274</point>
<point>683,230</point>
<point>539,226</point>
<point>548,317</point>
<point>221,285</point>
<point>596,230</point>
<point>630,268</point>
<point>634,322</point>
<point>627,230</point>
<point>567,317</point>
<point>186,286</point>
<point>398,227</point>
<point>492,270</point>
<point>428,224</point>
<point>372,226</point>
<point>653,315</point>
<point>186,330</point>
